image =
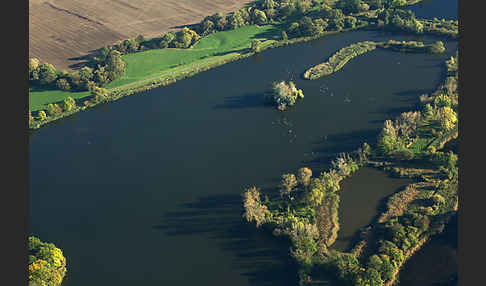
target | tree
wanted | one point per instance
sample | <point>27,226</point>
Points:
<point>100,76</point>
<point>53,109</point>
<point>447,118</point>
<point>268,4</point>
<point>63,84</point>
<point>304,176</point>
<point>140,39</point>
<point>219,21</point>
<point>128,46</point>
<point>350,22</point>
<point>69,103</point>
<point>85,74</point>
<point>206,27</point>
<point>42,115</point>
<point>374,277</point>
<point>284,36</point>
<point>351,6</point>
<point>375,4</point>
<point>284,95</point>
<point>33,69</point>
<point>255,210</point>
<point>308,28</point>
<point>303,5</point>
<point>31,118</point>
<point>294,29</point>
<point>437,47</point>
<point>388,4</point>
<point>234,20</point>
<point>47,265</point>
<point>167,39</point>
<point>259,17</point>
<point>47,74</point>
<point>287,184</point>
<point>114,66</point>
<point>255,46</point>
<point>184,38</point>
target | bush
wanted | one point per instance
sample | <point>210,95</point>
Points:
<point>47,265</point>
<point>69,104</point>
<point>285,94</point>
<point>53,109</point>
<point>42,115</point>
<point>63,84</point>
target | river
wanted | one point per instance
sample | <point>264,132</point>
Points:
<point>146,190</point>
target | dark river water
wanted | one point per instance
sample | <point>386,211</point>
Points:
<point>146,191</point>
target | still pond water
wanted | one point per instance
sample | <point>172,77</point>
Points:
<point>146,191</point>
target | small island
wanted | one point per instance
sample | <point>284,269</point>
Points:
<point>344,55</point>
<point>284,95</point>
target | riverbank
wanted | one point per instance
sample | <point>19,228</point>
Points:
<point>175,74</point>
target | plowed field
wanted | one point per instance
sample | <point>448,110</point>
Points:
<point>62,31</point>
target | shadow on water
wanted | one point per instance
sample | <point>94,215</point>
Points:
<point>214,216</point>
<point>251,100</point>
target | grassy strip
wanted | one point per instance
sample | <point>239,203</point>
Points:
<point>344,55</point>
<point>339,59</point>
<point>174,74</point>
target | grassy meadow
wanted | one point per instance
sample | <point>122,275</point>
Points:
<point>151,64</point>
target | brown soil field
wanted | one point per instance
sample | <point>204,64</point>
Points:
<point>61,32</point>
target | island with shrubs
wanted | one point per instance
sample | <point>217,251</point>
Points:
<point>344,55</point>
<point>411,146</point>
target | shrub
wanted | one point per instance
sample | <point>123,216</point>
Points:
<point>255,210</point>
<point>53,109</point>
<point>42,115</point>
<point>63,84</point>
<point>47,265</point>
<point>285,94</point>
<point>69,104</point>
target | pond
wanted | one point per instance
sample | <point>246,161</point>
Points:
<point>146,190</point>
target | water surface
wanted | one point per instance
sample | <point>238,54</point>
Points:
<point>146,190</point>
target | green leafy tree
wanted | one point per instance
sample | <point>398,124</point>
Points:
<point>259,17</point>
<point>100,76</point>
<point>268,4</point>
<point>33,69</point>
<point>167,39</point>
<point>350,22</point>
<point>287,184</point>
<point>350,6</point>
<point>284,36</point>
<point>255,210</point>
<point>47,74</point>
<point>69,103</point>
<point>437,47</point>
<point>255,46</point>
<point>235,20</point>
<point>114,66</point>
<point>63,84</point>
<point>294,29</point>
<point>47,264</point>
<point>304,176</point>
<point>42,115</point>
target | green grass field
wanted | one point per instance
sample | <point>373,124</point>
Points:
<point>156,63</point>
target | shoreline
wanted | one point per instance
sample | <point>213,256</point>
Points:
<point>164,80</point>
